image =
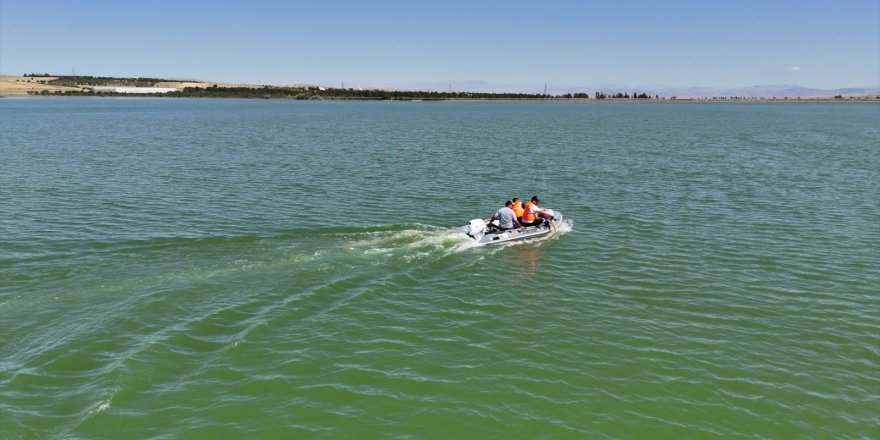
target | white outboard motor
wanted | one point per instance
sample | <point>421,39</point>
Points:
<point>476,228</point>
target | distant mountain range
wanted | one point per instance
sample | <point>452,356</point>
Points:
<point>761,91</point>
<point>766,91</point>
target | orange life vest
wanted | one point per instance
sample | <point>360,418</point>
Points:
<point>529,215</point>
<point>518,209</point>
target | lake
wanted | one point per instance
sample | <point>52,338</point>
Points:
<point>184,268</point>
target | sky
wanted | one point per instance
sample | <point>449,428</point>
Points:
<point>387,43</point>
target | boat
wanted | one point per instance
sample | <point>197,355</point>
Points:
<point>484,233</point>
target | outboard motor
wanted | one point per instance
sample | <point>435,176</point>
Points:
<point>476,228</point>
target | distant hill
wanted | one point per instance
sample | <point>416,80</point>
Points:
<point>766,91</point>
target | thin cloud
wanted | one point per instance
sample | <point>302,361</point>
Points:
<point>795,69</point>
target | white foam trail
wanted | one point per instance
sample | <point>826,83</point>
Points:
<point>415,242</point>
<point>449,242</point>
<point>460,242</point>
<point>386,237</point>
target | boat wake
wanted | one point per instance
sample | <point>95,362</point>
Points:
<point>412,244</point>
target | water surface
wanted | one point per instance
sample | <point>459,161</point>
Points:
<point>174,268</point>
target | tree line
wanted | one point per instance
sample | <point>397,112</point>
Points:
<point>269,92</point>
<point>76,81</point>
<point>618,95</point>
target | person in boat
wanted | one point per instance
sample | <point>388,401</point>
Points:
<point>518,208</point>
<point>506,218</point>
<point>534,215</point>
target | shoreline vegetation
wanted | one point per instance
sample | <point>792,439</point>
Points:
<point>52,85</point>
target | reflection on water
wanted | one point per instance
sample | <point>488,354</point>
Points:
<point>526,261</point>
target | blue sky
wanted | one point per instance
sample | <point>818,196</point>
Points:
<point>676,43</point>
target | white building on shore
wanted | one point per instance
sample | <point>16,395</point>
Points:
<point>122,89</point>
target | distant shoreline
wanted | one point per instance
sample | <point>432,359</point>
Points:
<point>66,86</point>
<point>547,100</point>
<point>609,101</point>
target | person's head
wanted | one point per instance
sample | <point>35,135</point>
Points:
<point>508,203</point>
<point>535,200</point>
<point>515,200</point>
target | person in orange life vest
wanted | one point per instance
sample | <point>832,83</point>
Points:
<point>517,208</point>
<point>534,215</point>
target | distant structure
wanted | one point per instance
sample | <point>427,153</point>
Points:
<point>132,90</point>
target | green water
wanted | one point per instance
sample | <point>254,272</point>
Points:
<point>188,269</point>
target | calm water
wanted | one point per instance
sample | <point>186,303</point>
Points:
<point>176,268</point>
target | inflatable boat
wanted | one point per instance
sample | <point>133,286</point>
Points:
<point>485,233</point>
